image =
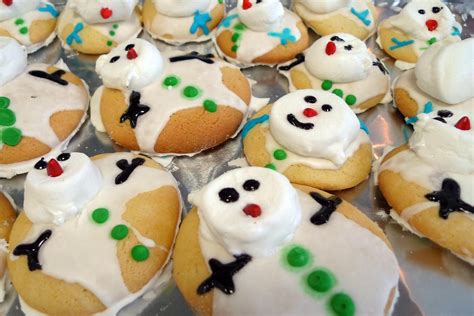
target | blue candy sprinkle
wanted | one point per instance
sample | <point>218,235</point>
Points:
<point>362,16</point>
<point>74,36</point>
<point>200,22</point>
<point>285,36</point>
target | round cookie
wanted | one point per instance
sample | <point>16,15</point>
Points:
<point>33,123</point>
<point>171,104</point>
<point>260,33</point>
<point>94,235</point>
<point>313,138</point>
<point>325,17</point>
<point>7,217</point>
<point>342,64</point>
<point>182,21</point>
<point>429,182</point>
<point>420,24</point>
<point>252,245</point>
<point>31,22</point>
<point>96,27</point>
<point>441,81</point>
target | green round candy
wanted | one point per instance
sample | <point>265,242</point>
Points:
<point>210,106</point>
<point>110,43</point>
<point>271,166</point>
<point>171,81</point>
<point>19,21</point>
<point>7,117</point>
<point>342,305</point>
<point>280,154</point>
<point>320,281</point>
<point>140,253</point>
<point>119,232</point>
<point>326,85</point>
<point>351,99</point>
<point>298,257</point>
<point>191,92</point>
<point>4,102</point>
<point>235,48</point>
<point>11,136</point>
<point>100,215</point>
<point>112,33</point>
<point>115,26</point>
<point>24,30</point>
<point>338,92</point>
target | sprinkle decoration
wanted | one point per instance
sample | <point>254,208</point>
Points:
<point>236,38</point>
<point>191,92</point>
<point>400,44</point>
<point>362,16</point>
<point>252,123</point>
<point>271,166</point>
<point>74,36</point>
<point>10,135</point>
<point>342,305</point>
<point>200,22</point>
<point>119,232</point>
<point>320,281</point>
<point>210,105</point>
<point>48,8</point>
<point>280,154</point>
<point>285,36</point>
<point>100,215</point>
<point>23,29</point>
<point>106,13</point>
<point>171,82</point>
<point>298,257</point>
<point>140,253</point>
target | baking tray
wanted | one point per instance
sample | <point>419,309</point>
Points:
<point>434,282</point>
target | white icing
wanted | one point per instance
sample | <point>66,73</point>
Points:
<point>17,8</point>
<point>324,6</point>
<point>264,16</point>
<point>252,44</point>
<point>181,8</point>
<point>227,223</point>
<point>120,70</point>
<point>415,209</point>
<point>103,11</point>
<point>57,199</point>
<point>403,65</point>
<point>80,251</point>
<point>405,225</point>
<point>13,59</point>
<point>96,118</point>
<point>446,72</point>
<point>356,257</point>
<point>333,131</point>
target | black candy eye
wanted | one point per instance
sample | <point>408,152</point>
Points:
<point>445,113</point>
<point>114,59</point>
<point>440,119</point>
<point>326,108</point>
<point>348,47</point>
<point>229,195</point>
<point>64,156</point>
<point>310,99</point>
<point>336,38</point>
<point>40,165</point>
<point>421,11</point>
<point>251,185</point>
<point>129,47</point>
<point>437,9</point>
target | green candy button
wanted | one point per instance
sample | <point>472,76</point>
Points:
<point>11,136</point>
<point>320,281</point>
<point>342,305</point>
<point>171,81</point>
<point>119,232</point>
<point>24,30</point>
<point>298,257</point>
<point>7,117</point>
<point>100,215</point>
<point>140,253</point>
<point>4,102</point>
<point>191,92</point>
<point>351,99</point>
<point>271,166</point>
<point>338,92</point>
<point>210,106</point>
<point>280,154</point>
<point>326,85</point>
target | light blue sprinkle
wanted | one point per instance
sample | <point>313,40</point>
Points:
<point>400,44</point>
<point>200,22</point>
<point>364,127</point>
<point>411,120</point>
<point>74,36</point>
<point>227,21</point>
<point>252,123</point>
<point>284,36</point>
<point>49,8</point>
<point>428,107</point>
<point>362,16</point>
<point>456,31</point>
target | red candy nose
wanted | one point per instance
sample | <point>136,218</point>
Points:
<point>246,4</point>
<point>106,13</point>
<point>309,112</point>
<point>132,53</point>
<point>463,124</point>
<point>330,48</point>
<point>431,25</point>
<point>7,2</point>
<point>253,210</point>
<point>54,168</point>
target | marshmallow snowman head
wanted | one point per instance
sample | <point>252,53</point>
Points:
<point>130,66</point>
<point>339,57</point>
<point>181,8</point>
<point>10,9</point>
<point>261,15</point>
<point>314,123</point>
<point>13,59</point>
<point>58,188</point>
<point>425,19</point>
<point>103,11</point>
<point>325,6</point>
<point>248,210</point>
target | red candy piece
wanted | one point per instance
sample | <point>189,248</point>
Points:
<point>253,210</point>
<point>431,25</point>
<point>463,124</point>
<point>7,2</point>
<point>132,54</point>
<point>106,13</point>
<point>309,112</point>
<point>54,168</point>
<point>246,4</point>
<point>331,48</point>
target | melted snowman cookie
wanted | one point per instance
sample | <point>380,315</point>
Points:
<point>32,121</point>
<point>88,227</point>
<point>182,21</point>
<point>31,22</point>
<point>96,27</point>
<point>260,32</point>
<point>356,17</point>
<point>429,181</point>
<point>342,64</point>
<point>313,138</point>
<point>420,24</point>
<point>252,231</point>
<point>174,104</point>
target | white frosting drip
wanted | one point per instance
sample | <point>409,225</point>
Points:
<point>266,287</point>
<point>227,223</point>
<point>80,251</point>
<point>446,72</point>
<point>181,8</point>
<point>117,71</point>
<point>13,59</point>
<point>103,11</point>
<point>57,199</point>
<point>17,8</point>
<point>334,130</point>
<point>324,6</point>
<point>261,17</point>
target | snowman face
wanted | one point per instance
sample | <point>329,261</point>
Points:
<point>103,11</point>
<point>132,65</point>
<point>325,6</point>
<point>314,123</point>
<point>181,8</point>
<point>10,9</point>
<point>261,15</point>
<point>339,57</point>
<point>248,210</point>
<point>13,59</point>
<point>458,119</point>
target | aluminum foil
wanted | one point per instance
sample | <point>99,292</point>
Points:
<point>434,282</point>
